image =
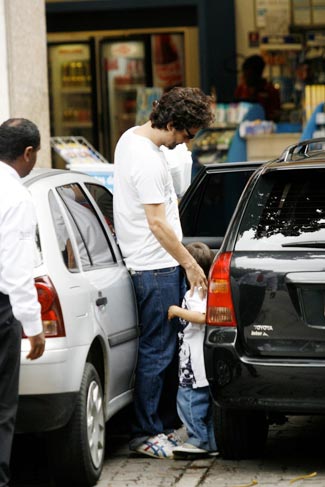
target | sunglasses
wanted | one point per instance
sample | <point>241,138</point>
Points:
<point>188,134</point>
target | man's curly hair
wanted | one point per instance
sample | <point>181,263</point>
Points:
<point>184,108</point>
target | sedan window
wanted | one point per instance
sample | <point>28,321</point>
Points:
<point>104,200</point>
<point>93,246</point>
<point>62,234</point>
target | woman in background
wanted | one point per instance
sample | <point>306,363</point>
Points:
<point>256,89</point>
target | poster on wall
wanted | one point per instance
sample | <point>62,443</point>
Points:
<point>273,16</point>
<point>261,9</point>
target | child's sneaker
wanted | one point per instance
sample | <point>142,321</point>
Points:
<point>188,448</point>
<point>156,447</point>
<point>174,439</point>
<point>214,453</point>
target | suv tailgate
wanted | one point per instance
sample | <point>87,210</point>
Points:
<point>278,266</point>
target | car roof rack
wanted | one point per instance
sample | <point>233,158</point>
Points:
<point>302,148</point>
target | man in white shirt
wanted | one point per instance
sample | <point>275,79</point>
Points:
<point>149,233</point>
<point>19,306</point>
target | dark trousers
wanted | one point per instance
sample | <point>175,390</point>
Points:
<point>10,343</point>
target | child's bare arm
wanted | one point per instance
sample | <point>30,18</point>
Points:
<point>185,314</point>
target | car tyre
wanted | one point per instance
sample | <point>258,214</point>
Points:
<point>240,434</point>
<point>76,451</point>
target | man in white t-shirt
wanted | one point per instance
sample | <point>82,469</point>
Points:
<point>149,233</point>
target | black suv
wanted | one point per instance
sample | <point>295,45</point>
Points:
<point>265,340</point>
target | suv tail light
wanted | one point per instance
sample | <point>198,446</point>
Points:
<point>220,308</point>
<point>50,308</point>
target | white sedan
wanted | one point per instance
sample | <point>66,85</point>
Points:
<point>90,321</point>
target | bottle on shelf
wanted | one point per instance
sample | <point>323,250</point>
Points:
<point>65,75</point>
<point>75,74</point>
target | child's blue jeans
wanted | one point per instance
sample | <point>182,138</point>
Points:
<point>194,407</point>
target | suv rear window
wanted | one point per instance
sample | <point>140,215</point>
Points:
<point>211,206</point>
<point>286,210</point>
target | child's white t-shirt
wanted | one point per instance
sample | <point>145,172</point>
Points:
<point>191,339</point>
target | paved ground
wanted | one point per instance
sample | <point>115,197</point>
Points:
<point>293,451</point>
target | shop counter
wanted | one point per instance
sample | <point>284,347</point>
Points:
<point>264,147</point>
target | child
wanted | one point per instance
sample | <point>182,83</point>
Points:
<point>194,403</point>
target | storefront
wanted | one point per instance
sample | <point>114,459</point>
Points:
<point>97,78</point>
<point>104,54</point>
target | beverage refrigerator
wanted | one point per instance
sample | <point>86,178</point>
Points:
<point>72,88</point>
<point>129,65</point>
<point>95,85</point>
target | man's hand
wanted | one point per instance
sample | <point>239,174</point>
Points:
<point>37,346</point>
<point>197,278</point>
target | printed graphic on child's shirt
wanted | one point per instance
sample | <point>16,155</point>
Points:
<point>186,375</point>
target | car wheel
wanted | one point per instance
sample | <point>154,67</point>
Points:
<point>240,434</point>
<point>76,451</point>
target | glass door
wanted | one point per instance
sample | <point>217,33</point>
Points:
<point>70,87</point>
<point>168,60</point>
<point>124,64</point>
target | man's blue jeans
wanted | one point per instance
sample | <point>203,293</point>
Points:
<point>194,407</point>
<point>155,290</point>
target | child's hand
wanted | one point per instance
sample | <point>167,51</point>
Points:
<point>171,312</point>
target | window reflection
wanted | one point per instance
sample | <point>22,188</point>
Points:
<point>92,243</point>
<point>287,205</point>
<point>91,240</point>
<point>62,234</point>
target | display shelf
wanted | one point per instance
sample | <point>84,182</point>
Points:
<point>291,42</point>
<point>125,96</point>
<point>224,126</point>
<point>76,89</point>
<point>211,145</point>
<point>71,91</point>
<point>209,156</point>
<point>77,124</point>
<point>264,147</point>
<point>76,150</point>
<point>213,139</point>
<point>126,116</point>
<point>280,47</point>
<point>126,88</point>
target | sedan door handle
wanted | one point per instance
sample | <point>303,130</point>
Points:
<point>101,301</point>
